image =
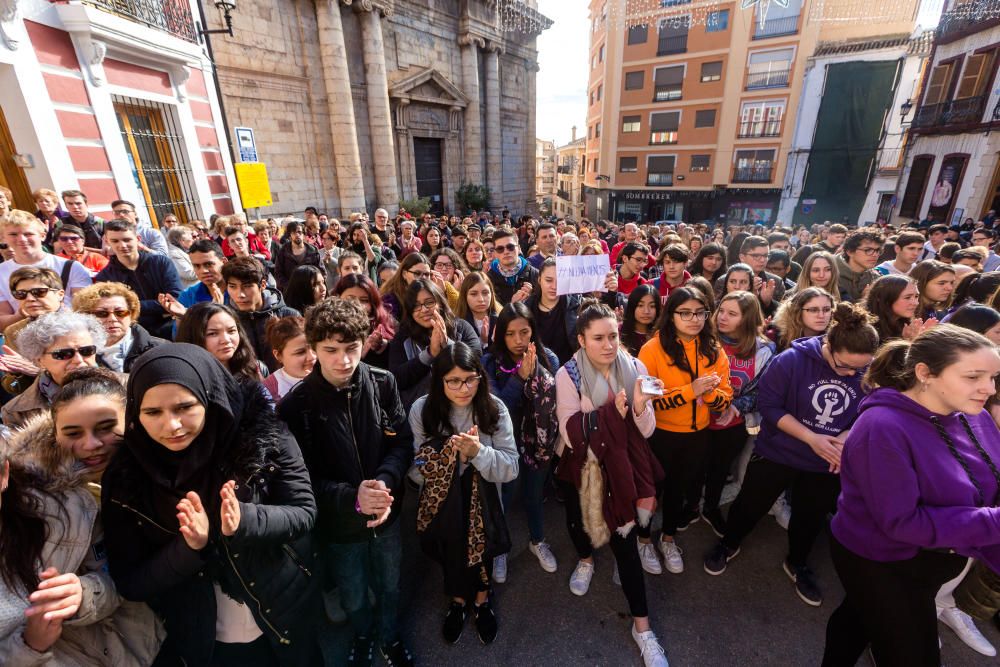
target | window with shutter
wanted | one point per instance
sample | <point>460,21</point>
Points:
<point>937,87</point>
<point>976,75</point>
<point>660,170</point>
<point>711,71</point>
<point>704,118</point>
<point>628,164</point>
<point>635,80</point>
<point>631,123</point>
<point>669,82</point>
<point>637,34</point>
<point>769,69</point>
<point>673,36</point>
<point>700,162</point>
<point>663,127</point>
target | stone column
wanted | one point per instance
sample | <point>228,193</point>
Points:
<point>494,157</point>
<point>473,166</point>
<point>337,81</point>
<point>530,201</point>
<point>379,113</point>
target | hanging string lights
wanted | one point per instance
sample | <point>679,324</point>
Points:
<point>518,16</point>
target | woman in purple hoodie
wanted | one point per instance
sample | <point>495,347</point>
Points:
<point>921,486</point>
<point>808,400</point>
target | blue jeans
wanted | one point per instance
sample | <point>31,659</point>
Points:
<point>373,564</point>
<point>532,482</point>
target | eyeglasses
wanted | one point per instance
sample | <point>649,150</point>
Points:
<point>757,255</point>
<point>66,353</point>
<point>457,383</point>
<point>430,304</point>
<point>816,310</point>
<point>122,211</point>
<point>869,251</point>
<point>510,247</point>
<point>443,265</point>
<point>119,313</point>
<point>846,367</point>
<point>69,239</point>
<point>688,315</point>
<point>419,275</point>
<point>37,292</point>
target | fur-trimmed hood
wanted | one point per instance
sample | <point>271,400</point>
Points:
<point>33,448</point>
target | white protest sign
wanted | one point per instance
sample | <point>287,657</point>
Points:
<point>577,274</point>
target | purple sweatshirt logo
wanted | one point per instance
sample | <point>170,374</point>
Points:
<point>830,399</point>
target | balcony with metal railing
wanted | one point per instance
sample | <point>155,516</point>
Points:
<point>759,174</point>
<point>967,18</point>
<point>769,78</point>
<point>667,93</point>
<point>968,110</point>
<point>668,46</point>
<point>759,128</point>
<point>170,16</point>
<point>563,194</point>
<point>564,169</point>
<point>665,178</point>
<point>776,27</point>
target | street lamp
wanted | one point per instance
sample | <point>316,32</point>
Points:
<point>224,6</point>
<point>904,110</point>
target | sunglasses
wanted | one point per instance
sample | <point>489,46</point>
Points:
<point>510,247</point>
<point>66,353</point>
<point>119,313</point>
<point>69,239</point>
<point>37,292</point>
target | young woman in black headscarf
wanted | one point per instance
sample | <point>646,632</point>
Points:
<point>208,510</point>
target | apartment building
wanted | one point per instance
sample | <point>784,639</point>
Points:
<point>568,199</point>
<point>952,166</point>
<point>693,120</point>
<point>545,173</point>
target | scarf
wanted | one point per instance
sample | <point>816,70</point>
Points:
<point>539,426</point>
<point>438,471</point>
<point>509,276</point>
<point>596,387</point>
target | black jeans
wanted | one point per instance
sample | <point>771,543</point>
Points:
<point>889,606</point>
<point>683,457</point>
<point>625,550</point>
<point>724,446</point>
<point>815,496</point>
<point>257,653</point>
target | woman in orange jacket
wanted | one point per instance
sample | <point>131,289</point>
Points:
<point>687,357</point>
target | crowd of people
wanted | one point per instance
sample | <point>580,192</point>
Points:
<point>209,428</point>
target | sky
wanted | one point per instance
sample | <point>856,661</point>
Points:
<point>561,85</point>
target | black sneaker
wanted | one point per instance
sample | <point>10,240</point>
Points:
<point>486,622</point>
<point>688,517</point>
<point>362,652</point>
<point>396,655</point>
<point>715,521</point>
<point>805,583</point>
<point>718,558</point>
<point>454,622</point>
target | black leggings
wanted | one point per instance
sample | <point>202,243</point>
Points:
<point>889,606</point>
<point>815,496</point>
<point>683,457</point>
<point>724,446</point>
<point>624,549</point>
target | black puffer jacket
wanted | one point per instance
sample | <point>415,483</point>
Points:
<point>268,564</point>
<point>348,436</point>
<point>255,323</point>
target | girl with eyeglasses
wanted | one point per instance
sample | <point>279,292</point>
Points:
<point>414,266</point>
<point>687,358</point>
<point>117,308</point>
<point>450,265</point>
<point>808,400</point>
<point>52,537</point>
<point>607,473</point>
<point>806,314</point>
<point>520,372</point>
<point>57,343</point>
<point>427,328</point>
<point>360,288</point>
<point>464,442</point>
<point>739,322</point>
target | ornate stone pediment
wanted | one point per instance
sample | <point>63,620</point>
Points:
<point>430,87</point>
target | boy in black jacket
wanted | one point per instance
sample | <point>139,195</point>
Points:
<point>357,446</point>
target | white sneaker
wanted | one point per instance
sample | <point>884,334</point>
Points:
<point>672,556</point>
<point>966,629</point>
<point>647,554</point>
<point>544,555</point>
<point>649,646</point>
<point>781,511</point>
<point>500,568</point>
<point>579,581</point>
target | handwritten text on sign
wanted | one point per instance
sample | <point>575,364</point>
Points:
<point>576,274</point>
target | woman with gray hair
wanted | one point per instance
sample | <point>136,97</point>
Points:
<point>179,239</point>
<point>57,343</point>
